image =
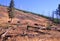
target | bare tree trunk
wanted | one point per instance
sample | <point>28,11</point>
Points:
<point>3,35</point>
<point>58,19</point>
<point>11,19</point>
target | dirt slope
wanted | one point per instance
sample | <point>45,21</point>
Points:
<point>25,17</point>
<point>31,27</point>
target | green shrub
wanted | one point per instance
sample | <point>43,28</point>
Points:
<point>48,27</point>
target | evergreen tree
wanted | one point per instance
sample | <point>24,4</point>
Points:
<point>11,10</point>
<point>57,12</point>
<point>59,9</point>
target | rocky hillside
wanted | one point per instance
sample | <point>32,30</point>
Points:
<point>27,27</point>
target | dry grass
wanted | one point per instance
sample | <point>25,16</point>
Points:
<point>33,39</point>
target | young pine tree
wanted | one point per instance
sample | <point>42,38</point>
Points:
<point>11,10</point>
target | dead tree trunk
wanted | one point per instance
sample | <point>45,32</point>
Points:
<point>4,34</point>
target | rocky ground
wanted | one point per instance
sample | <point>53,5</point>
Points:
<point>22,32</point>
